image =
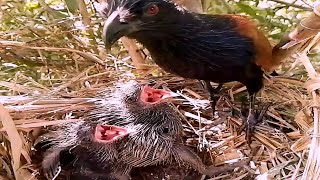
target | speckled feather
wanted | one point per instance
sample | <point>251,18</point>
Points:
<point>148,145</point>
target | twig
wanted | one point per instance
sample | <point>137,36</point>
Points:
<point>88,55</point>
<point>313,167</point>
<point>292,5</point>
<point>14,138</point>
<point>135,54</point>
<point>87,21</point>
<point>84,12</point>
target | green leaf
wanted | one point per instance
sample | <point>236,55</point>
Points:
<point>32,5</point>
<point>276,36</point>
<point>247,9</point>
<point>72,5</point>
<point>260,18</point>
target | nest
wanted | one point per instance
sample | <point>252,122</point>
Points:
<point>280,142</point>
<point>284,146</point>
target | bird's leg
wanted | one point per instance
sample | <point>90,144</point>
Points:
<point>254,117</point>
<point>214,94</point>
<point>249,124</point>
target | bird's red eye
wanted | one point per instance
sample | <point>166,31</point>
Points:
<point>153,10</point>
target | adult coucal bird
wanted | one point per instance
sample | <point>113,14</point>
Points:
<point>213,48</point>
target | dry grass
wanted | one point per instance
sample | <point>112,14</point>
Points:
<point>285,145</point>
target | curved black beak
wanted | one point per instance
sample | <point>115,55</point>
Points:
<point>114,29</point>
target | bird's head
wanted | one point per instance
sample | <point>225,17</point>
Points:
<point>133,17</point>
<point>118,110</point>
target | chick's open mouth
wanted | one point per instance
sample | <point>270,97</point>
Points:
<point>109,133</point>
<point>150,95</point>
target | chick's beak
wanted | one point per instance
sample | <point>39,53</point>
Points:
<point>170,95</point>
<point>114,29</point>
<point>154,96</point>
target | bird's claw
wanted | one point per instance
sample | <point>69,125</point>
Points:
<point>249,126</point>
<point>215,94</point>
<point>254,117</point>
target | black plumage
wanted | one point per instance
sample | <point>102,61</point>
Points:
<point>213,48</point>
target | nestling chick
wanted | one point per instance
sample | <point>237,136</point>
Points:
<point>131,126</point>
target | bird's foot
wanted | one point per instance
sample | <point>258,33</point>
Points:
<point>254,117</point>
<point>248,126</point>
<point>214,100</point>
<point>215,94</point>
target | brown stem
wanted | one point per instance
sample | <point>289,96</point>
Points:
<point>292,5</point>
<point>87,21</point>
<point>135,54</point>
<point>298,38</point>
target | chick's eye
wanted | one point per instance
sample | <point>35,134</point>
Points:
<point>153,10</point>
<point>165,130</point>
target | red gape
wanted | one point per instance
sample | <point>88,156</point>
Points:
<point>153,96</point>
<point>108,133</point>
